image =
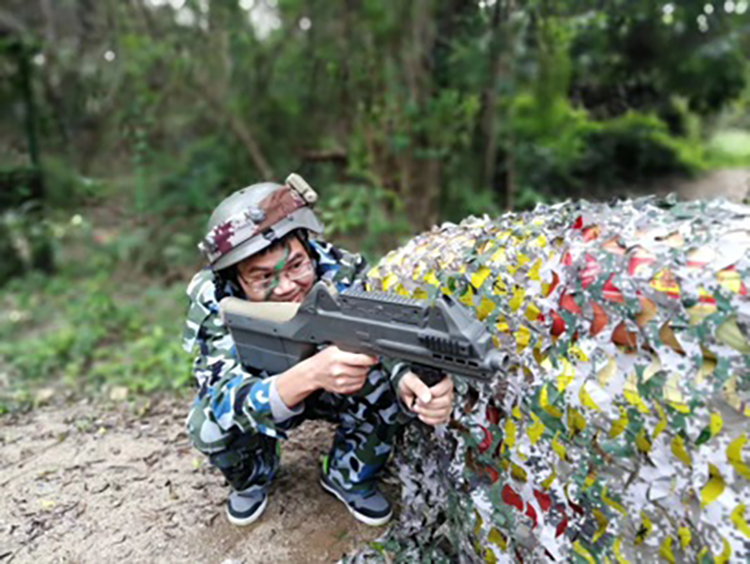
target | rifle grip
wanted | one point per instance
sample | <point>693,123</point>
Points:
<point>429,375</point>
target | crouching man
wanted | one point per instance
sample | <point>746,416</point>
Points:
<point>260,246</point>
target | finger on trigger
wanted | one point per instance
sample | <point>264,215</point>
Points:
<point>357,359</point>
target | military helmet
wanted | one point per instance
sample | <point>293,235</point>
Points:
<point>251,219</point>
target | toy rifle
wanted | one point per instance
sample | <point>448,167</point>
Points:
<point>433,339</point>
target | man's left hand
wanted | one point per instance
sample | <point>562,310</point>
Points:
<point>432,405</point>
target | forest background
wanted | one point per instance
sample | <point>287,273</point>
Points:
<point>126,122</point>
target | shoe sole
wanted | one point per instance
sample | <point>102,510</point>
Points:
<point>242,522</point>
<point>372,521</point>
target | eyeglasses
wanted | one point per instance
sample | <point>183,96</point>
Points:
<point>298,271</point>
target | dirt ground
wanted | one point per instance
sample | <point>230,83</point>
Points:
<point>119,482</point>
<point>87,483</point>
<point>732,184</point>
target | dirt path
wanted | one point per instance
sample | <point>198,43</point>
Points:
<point>732,184</point>
<point>82,484</point>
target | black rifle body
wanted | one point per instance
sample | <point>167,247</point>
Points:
<point>433,339</point>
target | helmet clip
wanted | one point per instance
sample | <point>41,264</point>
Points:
<point>300,185</point>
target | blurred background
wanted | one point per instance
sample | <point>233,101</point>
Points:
<point>126,121</point>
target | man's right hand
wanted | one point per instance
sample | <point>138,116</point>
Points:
<point>332,370</point>
<point>338,371</point>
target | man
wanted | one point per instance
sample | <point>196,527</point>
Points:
<point>259,248</point>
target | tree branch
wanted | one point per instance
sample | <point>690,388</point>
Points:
<point>237,127</point>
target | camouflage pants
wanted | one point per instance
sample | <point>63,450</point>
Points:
<point>367,424</point>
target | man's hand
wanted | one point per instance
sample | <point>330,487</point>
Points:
<point>331,369</point>
<point>338,371</point>
<point>433,405</point>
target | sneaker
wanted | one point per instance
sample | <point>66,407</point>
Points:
<point>246,506</point>
<point>369,506</point>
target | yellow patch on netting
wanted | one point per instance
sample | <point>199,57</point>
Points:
<point>733,398</point>
<point>611,502</point>
<point>549,480</point>
<point>586,399</point>
<point>679,451</point>
<point>523,338</point>
<point>498,257</point>
<point>738,520</point>
<point>566,376</point>
<point>734,456</point>
<point>630,391</point>
<point>576,421</point>
<point>431,279</point>
<point>652,369</point>
<point>533,273</point>
<point>390,281</point>
<point>662,423</point>
<point>619,425</point>
<point>420,294</point>
<point>577,352</point>
<point>559,448</point>
<point>605,374</point>
<point>517,300</point>
<point>663,281</point>
<point>485,308</point>
<point>478,278</point>
<point>714,487</point>
<point>730,280</point>
<point>673,395</point>
<point>535,430</point>
<point>546,406</point>
<point>498,288</point>
<point>532,312</point>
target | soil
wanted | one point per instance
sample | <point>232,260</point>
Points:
<point>732,184</point>
<point>107,483</point>
<point>93,482</point>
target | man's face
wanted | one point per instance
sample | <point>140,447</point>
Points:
<point>284,274</point>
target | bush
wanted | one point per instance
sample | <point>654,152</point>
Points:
<point>64,188</point>
<point>632,149</point>
<point>78,332</point>
<point>560,151</point>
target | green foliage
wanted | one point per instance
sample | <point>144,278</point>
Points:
<point>730,147</point>
<point>561,151</point>
<point>210,169</point>
<point>79,332</point>
<point>64,188</point>
<point>364,210</point>
<point>11,265</point>
<point>632,149</point>
<point>19,184</point>
<point>637,56</point>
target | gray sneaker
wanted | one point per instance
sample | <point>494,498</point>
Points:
<point>368,506</point>
<point>246,506</point>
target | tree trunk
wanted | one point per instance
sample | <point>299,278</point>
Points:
<point>422,181</point>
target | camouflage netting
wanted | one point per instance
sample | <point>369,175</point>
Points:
<point>620,432</point>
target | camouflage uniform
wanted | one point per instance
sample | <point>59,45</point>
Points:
<point>232,420</point>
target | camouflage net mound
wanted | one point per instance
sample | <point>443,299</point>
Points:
<point>620,432</point>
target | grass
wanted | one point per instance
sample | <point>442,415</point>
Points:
<point>86,331</point>
<point>729,148</point>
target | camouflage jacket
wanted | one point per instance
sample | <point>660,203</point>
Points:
<point>239,395</point>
